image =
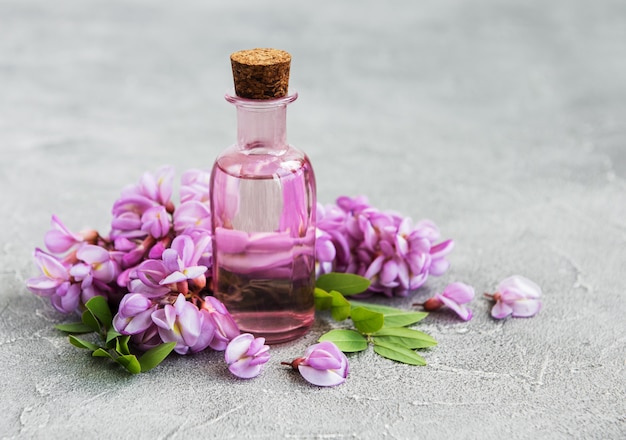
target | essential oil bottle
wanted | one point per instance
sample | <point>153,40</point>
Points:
<point>263,205</point>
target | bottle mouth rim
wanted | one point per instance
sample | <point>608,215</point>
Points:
<point>232,97</point>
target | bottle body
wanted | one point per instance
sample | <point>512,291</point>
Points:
<point>263,212</point>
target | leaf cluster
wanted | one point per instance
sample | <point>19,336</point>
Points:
<point>98,318</point>
<point>386,328</point>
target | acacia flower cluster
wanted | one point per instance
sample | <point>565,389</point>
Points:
<point>77,268</point>
<point>384,247</point>
<point>154,270</point>
<point>154,267</point>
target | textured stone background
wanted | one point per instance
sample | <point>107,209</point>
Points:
<point>502,121</point>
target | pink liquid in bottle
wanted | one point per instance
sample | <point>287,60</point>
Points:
<point>263,209</point>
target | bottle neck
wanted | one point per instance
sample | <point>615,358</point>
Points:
<point>262,124</point>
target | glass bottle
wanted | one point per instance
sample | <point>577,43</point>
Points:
<point>263,205</point>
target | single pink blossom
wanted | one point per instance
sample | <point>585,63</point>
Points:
<point>156,221</point>
<point>134,314</point>
<point>226,328</point>
<point>156,187</point>
<point>181,261</point>
<point>55,283</point>
<point>184,324</point>
<point>455,296</point>
<point>323,365</point>
<point>101,266</point>
<point>246,355</point>
<point>516,296</point>
<point>195,185</point>
<point>53,274</point>
<point>59,239</point>
<point>192,215</point>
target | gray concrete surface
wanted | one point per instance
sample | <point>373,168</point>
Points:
<point>502,121</point>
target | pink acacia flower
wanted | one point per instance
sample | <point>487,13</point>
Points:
<point>192,215</point>
<point>178,269</point>
<point>195,185</point>
<point>516,296</point>
<point>181,262</point>
<point>76,279</point>
<point>156,221</point>
<point>333,251</point>
<point>184,324</point>
<point>60,239</point>
<point>54,283</point>
<point>246,355</point>
<point>384,247</point>
<point>127,212</point>
<point>142,219</point>
<point>455,296</point>
<point>134,314</point>
<point>95,263</point>
<point>156,187</point>
<point>325,253</point>
<point>53,274</point>
<point>323,365</point>
<point>226,328</point>
<point>94,269</point>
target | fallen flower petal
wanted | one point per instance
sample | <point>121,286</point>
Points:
<point>516,296</point>
<point>246,355</point>
<point>455,296</point>
<point>323,365</point>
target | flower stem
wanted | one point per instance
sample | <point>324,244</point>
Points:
<point>294,364</point>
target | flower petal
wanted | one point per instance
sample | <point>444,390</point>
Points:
<point>460,309</point>
<point>322,360</point>
<point>460,293</point>
<point>244,369</point>
<point>50,266</point>
<point>519,285</point>
<point>501,310</point>
<point>91,254</point>
<point>238,347</point>
<point>322,378</point>
<point>526,308</point>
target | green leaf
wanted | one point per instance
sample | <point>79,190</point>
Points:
<point>394,317</point>
<point>99,306</point>
<point>121,344</point>
<point>385,310</point>
<point>398,353</point>
<point>101,352</point>
<point>340,308</point>
<point>348,341</point>
<point>403,319</point>
<point>346,283</point>
<point>155,356</point>
<point>74,327</point>
<point>130,362</point>
<point>111,335</point>
<point>81,343</point>
<point>407,337</point>
<point>367,321</point>
<point>90,321</point>
<point>323,299</point>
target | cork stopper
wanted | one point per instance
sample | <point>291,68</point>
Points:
<point>261,73</point>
